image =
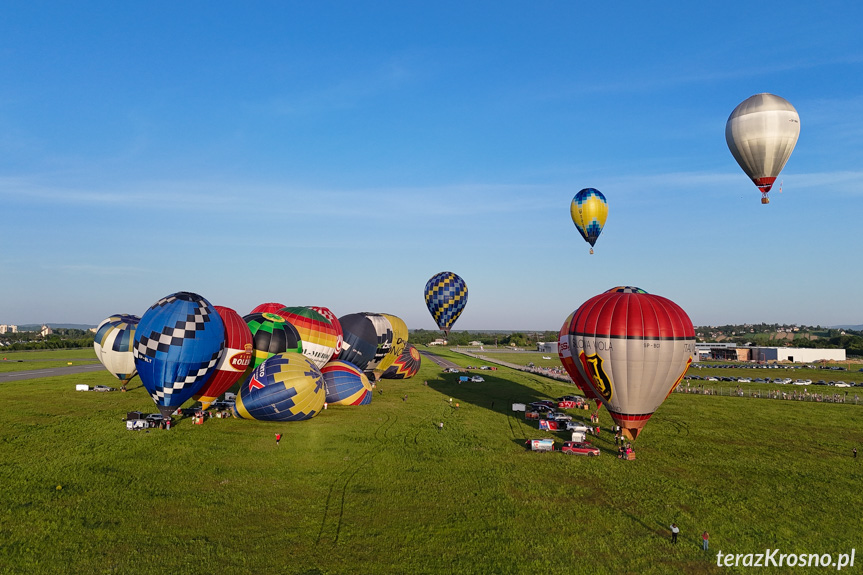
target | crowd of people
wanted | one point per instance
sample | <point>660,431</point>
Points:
<point>795,394</point>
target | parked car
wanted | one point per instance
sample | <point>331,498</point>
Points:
<point>103,388</point>
<point>545,402</point>
<point>576,448</point>
<point>842,384</point>
<point>577,426</point>
<point>557,416</point>
<point>803,382</point>
<point>154,418</point>
<point>744,380</point>
<point>477,379</point>
<point>540,407</point>
<point>451,370</point>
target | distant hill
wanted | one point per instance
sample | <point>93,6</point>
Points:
<point>858,327</point>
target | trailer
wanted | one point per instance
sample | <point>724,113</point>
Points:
<point>540,444</point>
<point>519,407</point>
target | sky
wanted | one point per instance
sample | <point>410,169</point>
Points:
<point>342,153</point>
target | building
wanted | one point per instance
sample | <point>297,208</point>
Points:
<point>8,328</point>
<point>45,331</point>
<point>438,342</point>
<point>797,354</point>
<point>546,346</point>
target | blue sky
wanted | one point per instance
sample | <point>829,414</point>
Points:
<point>342,153</point>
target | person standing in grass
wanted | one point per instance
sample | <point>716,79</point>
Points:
<point>854,451</point>
<point>278,438</point>
<point>674,531</point>
<point>705,537</point>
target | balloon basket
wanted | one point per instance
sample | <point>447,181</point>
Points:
<point>765,200</point>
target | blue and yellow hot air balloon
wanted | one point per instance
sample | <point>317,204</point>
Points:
<point>589,210</point>
<point>446,296</point>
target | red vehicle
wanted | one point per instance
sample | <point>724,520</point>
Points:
<point>577,448</point>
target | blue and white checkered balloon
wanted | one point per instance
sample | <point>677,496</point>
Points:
<point>178,343</point>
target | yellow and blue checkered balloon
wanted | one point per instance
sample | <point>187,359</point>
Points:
<point>589,210</point>
<point>446,296</point>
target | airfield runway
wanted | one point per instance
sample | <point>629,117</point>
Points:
<point>50,372</point>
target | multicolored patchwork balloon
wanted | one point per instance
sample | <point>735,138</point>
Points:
<point>178,343</point>
<point>316,333</point>
<point>446,296</point>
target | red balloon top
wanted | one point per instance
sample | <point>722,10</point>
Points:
<point>632,315</point>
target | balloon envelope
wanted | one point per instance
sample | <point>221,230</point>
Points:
<point>178,343</point>
<point>761,133</point>
<point>235,360</point>
<point>269,307</point>
<point>113,345</point>
<point>446,296</point>
<point>360,340</point>
<point>589,210</point>
<point>400,339</point>
<point>632,348</point>
<point>324,311</point>
<point>271,334</point>
<point>346,384</point>
<point>317,334</point>
<point>384,339</point>
<point>564,352</point>
<point>286,387</point>
<point>405,366</point>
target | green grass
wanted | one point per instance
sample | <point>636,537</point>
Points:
<point>27,360</point>
<point>379,489</point>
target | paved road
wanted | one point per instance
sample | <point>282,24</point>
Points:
<point>50,372</point>
<point>444,363</point>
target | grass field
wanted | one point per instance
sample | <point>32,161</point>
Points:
<point>27,360</point>
<point>380,489</point>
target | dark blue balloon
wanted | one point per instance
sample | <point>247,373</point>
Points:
<point>359,340</point>
<point>178,343</point>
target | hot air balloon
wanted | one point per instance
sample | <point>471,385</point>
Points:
<point>400,339</point>
<point>632,349</point>
<point>564,352</point>
<point>346,384</point>
<point>405,366</point>
<point>271,334</point>
<point>446,296</point>
<point>589,210</point>
<point>316,332</point>
<point>286,387</point>
<point>324,311</point>
<point>178,343</point>
<point>384,332</point>
<point>270,307</point>
<point>235,360</point>
<point>113,345</point>
<point>360,340</point>
<point>761,133</point>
